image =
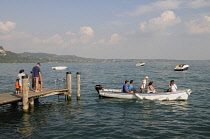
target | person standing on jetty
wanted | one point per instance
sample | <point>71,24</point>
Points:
<point>19,76</point>
<point>36,73</point>
<point>17,86</point>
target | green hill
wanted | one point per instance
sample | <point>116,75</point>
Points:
<point>26,57</point>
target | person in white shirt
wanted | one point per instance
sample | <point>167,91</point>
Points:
<point>172,87</point>
<point>19,76</point>
<point>144,84</point>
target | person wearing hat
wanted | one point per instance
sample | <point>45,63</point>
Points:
<point>144,84</point>
<point>36,73</point>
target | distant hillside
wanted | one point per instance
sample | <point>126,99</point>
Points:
<point>2,51</point>
<point>53,58</point>
<point>11,57</point>
<point>26,57</point>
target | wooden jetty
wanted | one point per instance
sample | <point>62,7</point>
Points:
<point>27,97</point>
<point>12,97</point>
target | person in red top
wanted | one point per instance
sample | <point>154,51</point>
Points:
<point>17,86</point>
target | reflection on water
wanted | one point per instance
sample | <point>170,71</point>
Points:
<point>26,128</point>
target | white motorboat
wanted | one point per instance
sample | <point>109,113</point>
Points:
<point>181,67</point>
<point>59,68</point>
<point>117,93</point>
<point>140,64</point>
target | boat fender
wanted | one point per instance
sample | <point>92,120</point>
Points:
<point>188,91</point>
<point>98,87</point>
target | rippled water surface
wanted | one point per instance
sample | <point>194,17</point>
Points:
<point>94,117</point>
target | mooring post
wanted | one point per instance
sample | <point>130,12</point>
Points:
<point>78,85</point>
<point>25,93</point>
<point>68,84</point>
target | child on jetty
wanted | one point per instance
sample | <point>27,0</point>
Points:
<point>17,86</point>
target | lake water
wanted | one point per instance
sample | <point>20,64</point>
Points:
<point>94,117</point>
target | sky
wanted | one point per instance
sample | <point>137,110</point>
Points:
<point>110,29</point>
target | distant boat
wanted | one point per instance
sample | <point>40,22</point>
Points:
<point>181,67</point>
<point>59,68</point>
<point>140,64</point>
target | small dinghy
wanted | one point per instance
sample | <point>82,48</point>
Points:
<point>59,68</point>
<point>117,93</point>
<point>181,67</point>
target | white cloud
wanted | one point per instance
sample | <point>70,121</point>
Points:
<point>86,34</point>
<point>199,26</point>
<point>55,39</point>
<point>7,27</point>
<point>15,36</point>
<point>168,5</point>
<point>166,19</point>
<point>115,38</point>
<point>160,5</point>
<point>87,31</point>
<point>74,41</point>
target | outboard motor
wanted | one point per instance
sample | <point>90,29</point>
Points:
<point>98,87</point>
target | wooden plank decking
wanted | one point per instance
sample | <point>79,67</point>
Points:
<point>12,97</point>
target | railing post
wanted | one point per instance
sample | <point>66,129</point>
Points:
<point>78,85</point>
<point>25,93</point>
<point>68,84</point>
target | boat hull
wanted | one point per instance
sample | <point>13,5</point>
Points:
<point>114,93</point>
<point>140,64</point>
<point>181,67</point>
<point>59,68</point>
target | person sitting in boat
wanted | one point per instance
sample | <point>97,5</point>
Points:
<point>125,87</point>
<point>131,87</point>
<point>172,87</point>
<point>150,88</point>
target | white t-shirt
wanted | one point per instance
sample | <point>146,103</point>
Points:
<point>173,88</point>
<point>20,78</point>
<point>144,82</point>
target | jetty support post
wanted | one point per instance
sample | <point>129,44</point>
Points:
<point>25,93</point>
<point>69,85</point>
<point>78,85</point>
